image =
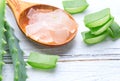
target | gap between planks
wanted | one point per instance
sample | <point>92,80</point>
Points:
<point>80,60</point>
<point>75,58</point>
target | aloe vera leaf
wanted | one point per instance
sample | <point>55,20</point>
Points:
<point>16,54</point>
<point>101,29</point>
<point>42,61</point>
<point>75,6</point>
<point>93,39</point>
<point>98,18</point>
<point>114,30</point>
<point>2,31</point>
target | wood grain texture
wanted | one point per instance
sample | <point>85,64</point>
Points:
<point>72,71</point>
<point>76,71</point>
<point>78,61</point>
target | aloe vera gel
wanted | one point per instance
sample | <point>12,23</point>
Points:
<point>101,24</point>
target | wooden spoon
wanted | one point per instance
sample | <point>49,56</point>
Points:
<point>20,10</point>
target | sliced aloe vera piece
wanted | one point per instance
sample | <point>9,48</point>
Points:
<point>114,30</point>
<point>42,61</point>
<point>101,29</point>
<point>98,18</point>
<point>75,6</point>
<point>93,39</point>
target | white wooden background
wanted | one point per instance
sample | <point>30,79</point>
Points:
<point>78,61</point>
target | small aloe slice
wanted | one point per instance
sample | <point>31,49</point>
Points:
<point>98,18</point>
<point>114,30</point>
<point>93,39</point>
<point>42,61</point>
<point>101,29</point>
<point>75,6</point>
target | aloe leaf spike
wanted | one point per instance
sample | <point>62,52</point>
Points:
<point>16,54</point>
<point>2,37</point>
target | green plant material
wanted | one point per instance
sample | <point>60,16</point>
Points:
<point>114,30</point>
<point>93,39</point>
<point>101,29</point>
<point>42,61</point>
<point>2,37</point>
<point>16,54</point>
<point>75,6</point>
<point>97,19</point>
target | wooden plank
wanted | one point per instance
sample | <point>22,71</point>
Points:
<point>76,47</point>
<point>78,61</point>
<point>72,71</point>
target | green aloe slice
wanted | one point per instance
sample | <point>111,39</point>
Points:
<point>101,29</point>
<point>93,39</point>
<point>98,18</point>
<point>114,30</point>
<point>75,6</point>
<point>42,61</point>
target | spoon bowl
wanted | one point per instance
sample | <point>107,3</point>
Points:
<point>21,9</point>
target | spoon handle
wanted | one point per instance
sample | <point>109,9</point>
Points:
<point>18,6</point>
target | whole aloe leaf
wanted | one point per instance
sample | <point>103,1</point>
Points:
<point>2,31</point>
<point>16,54</point>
